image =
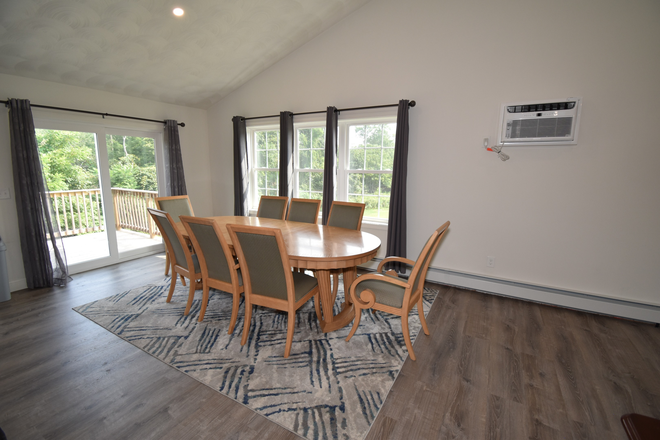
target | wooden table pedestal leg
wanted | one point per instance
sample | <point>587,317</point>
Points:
<point>330,321</point>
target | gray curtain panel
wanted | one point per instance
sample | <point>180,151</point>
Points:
<point>33,203</point>
<point>241,180</point>
<point>176,181</point>
<point>397,222</point>
<point>286,154</point>
<point>329,171</point>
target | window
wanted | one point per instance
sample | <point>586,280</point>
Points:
<point>308,166</point>
<point>266,173</point>
<point>369,170</point>
<point>365,158</point>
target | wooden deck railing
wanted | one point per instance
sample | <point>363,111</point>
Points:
<point>131,210</point>
<point>80,211</point>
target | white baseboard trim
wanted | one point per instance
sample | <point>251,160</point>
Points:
<point>543,295</point>
<point>17,285</point>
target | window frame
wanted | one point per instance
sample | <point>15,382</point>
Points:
<point>365,117</point>
<point>296,165</point>
<point>343,157</point>
<point>251,132</point>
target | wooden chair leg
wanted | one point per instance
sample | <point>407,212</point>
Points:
<point>290,327</point>
<point>205,302</point>
<point>167,263</point>
<point>246,324</point>
<point>356,323</point>
<point>422,319</point>
<point>183,279</point>
<point>234,313</point>
<point>191,296</point>
<point>406,336</point>
<point>172,284</point>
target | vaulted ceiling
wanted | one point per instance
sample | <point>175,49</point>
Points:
<point>139,48</point>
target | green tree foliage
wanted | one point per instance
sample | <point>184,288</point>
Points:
<point>371,148</point>
<point>68,159</point>
<point>69,162</point>
<point>132,162</point>
<point>311,156</point>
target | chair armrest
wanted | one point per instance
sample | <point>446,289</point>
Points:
<point>392,260</point>
<point>367,297</point>
<point>376,276</point>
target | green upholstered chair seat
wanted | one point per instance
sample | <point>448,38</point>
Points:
<point>386,293</point>
<point>303,284</point>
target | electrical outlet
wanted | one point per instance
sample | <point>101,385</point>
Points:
<point>4,194</point>
<point>490,261</point>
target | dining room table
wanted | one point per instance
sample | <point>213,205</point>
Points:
<point>321,249</point>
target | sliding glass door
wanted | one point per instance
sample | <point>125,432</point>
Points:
<point>69,160</point>
<point>101,182</point>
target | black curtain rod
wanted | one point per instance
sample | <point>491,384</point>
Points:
<point>410,104</point>
<point>95,113</point>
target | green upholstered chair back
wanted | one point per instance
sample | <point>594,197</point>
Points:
<point>272,207</point>
<point>305,211</point>
<point>347,216</point>
<point>167,230</point>
<point>263,264</point>
<point>211,247</point>
<point>175,207</point>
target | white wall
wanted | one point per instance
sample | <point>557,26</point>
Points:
<point>580,218</point>
<point>194,144</point>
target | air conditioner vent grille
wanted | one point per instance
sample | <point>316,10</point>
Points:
<point>539,128</point>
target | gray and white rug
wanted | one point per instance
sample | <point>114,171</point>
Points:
<point>327,389</point>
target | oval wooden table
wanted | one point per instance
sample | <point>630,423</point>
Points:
<point>319,248</point>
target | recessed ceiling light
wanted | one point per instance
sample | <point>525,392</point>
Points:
<point>178,12</point>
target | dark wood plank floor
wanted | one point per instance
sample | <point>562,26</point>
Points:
<point>493,367</point>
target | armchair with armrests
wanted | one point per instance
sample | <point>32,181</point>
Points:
<point>219,268</point>
<point>184,262</point>
<point>388,293</point>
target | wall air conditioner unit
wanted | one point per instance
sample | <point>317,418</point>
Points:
<point>540,123</point>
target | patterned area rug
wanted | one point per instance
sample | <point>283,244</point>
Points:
<point>327,389</point>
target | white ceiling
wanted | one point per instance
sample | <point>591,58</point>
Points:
<point>139,48</point>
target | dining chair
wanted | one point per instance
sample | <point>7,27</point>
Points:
<point>219,268</point>
<point>183,261</point>
<point>389,293</point>
<point>268,278</point>
<point>272,207</point>
<point>304,210</point>
<point>346,215</point>
<point>175,206</point>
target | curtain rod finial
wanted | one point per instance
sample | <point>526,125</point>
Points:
<point>412,104</point>
<point>182,124</point>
